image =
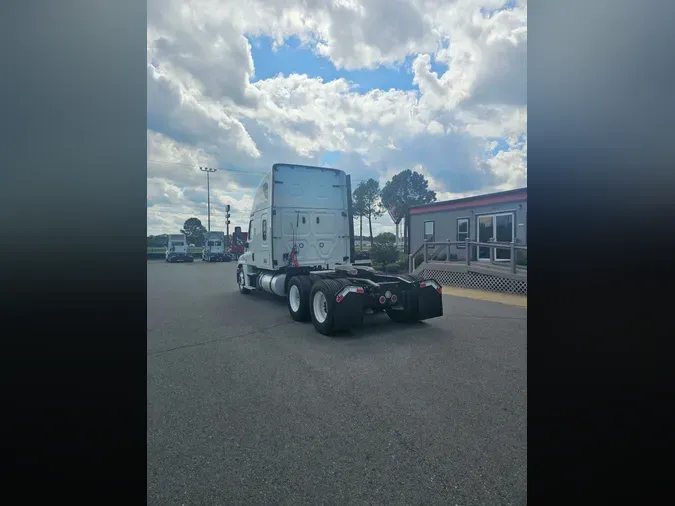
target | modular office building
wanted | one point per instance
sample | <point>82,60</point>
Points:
<point>500,217</point>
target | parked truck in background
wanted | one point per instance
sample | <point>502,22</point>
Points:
<point>237,244</point>
<point>214,247</point>
<point>177,249</point>
<point>301,246</point>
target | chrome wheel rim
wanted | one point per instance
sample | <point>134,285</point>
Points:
<point>320,307</point>
<point>294,298</point>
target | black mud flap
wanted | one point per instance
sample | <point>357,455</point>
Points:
<point>430,303</point>
<point>348,312</point>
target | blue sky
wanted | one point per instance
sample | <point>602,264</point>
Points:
<point>294,57</point>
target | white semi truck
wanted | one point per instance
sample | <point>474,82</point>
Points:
<point>177,249</point>
<point>301,246</point>
<point>214,247</point>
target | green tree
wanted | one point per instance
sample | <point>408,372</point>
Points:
<point>156,241</point>
<point>385,238</point>
<point>194,231</point>
<point>369,195</point>
<point>384,249</point>
<point>405,190</point>
<point>358,207</point>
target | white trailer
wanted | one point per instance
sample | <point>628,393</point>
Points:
<point>300,246</point>
<point>214,247</point>
<point>177,249</point>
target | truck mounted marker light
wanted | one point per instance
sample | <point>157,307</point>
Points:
<point>343,293</point>
<point>382,299</point>
<point>433,284</point>
<point>394,298</point>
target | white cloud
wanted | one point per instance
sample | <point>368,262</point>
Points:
<point>494,121</point>
<point>203,100</point>
<point>177,188</point>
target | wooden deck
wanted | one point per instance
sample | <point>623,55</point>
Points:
<point>507,270</point>
<point>490,275</point>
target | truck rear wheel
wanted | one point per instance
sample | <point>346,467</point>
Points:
<point>299,289</point>
<point>322,304</point>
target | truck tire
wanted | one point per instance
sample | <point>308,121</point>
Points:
<point>322,304</point>
<point>240,282</point>
<point>299,289</point>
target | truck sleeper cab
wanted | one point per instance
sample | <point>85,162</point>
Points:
<point>300,245</point>
<point>214,247</point>
<point>177,249</point>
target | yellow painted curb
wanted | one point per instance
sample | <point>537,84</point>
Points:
<point>503,298</point>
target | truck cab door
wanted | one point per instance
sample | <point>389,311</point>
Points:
<point>265,241</point>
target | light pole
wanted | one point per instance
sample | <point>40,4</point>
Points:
<point>227,219</point>
<point>208,170</point>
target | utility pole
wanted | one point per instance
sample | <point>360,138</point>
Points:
<point>208,170</point>
<point>227,219</point>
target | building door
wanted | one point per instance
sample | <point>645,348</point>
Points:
<point>504,228</point>
<point>485,234</point>
<point>498,228</point>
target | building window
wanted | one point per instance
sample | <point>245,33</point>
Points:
<point>462,231</point>
<point>264,229</point>
<point>429,231</point>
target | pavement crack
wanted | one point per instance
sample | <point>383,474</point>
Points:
<point>203,343</point>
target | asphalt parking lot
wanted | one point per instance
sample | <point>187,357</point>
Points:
<point>246,406</point>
